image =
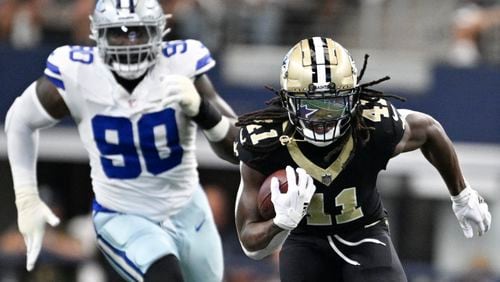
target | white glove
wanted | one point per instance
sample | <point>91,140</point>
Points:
<point>181,89</point>
<point>291,206</point>
<point>32,214</point>
<point>471,211</point>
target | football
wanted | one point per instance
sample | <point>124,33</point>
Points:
<point>264,203</point>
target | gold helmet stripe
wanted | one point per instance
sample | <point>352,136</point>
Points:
<point>331,47</point>
<point>306,52</point>
<point>332,52</point>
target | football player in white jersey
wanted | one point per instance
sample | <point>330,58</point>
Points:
<point>137,102</point>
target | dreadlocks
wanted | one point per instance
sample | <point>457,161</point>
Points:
<point>276,113</point>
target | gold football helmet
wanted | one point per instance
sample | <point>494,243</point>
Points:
<point>319,89</point>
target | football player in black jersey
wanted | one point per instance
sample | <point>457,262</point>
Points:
<point>334,135</point>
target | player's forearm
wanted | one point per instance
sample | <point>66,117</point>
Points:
<point>256,236</point>
<point>261,239</point>
<point>24,118</point>
<point>224,149</point>
<point>22,146</point>
<point>218,129</point>
<point>439,150</point>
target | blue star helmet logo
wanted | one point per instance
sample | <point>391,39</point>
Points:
<point>304,111</point>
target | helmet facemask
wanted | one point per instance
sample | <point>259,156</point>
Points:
<point>321,117</point>
<point>319,89</point>
<point>128,39</point>
<point>129,50</point>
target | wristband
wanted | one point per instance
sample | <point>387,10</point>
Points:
<point>208,116</point>
<point>219,131</point>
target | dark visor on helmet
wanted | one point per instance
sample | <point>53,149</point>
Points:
<point>323,109</point>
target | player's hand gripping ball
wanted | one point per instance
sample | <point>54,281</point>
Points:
<point>264,203</point>
<point>291,206</point>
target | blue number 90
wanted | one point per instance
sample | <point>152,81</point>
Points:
<point>115,141</point>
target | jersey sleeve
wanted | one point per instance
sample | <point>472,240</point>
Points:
<point>55,67</point>
<point>67,68</point>
<point>255,146</point>
<point>388,129</point>
<point>189,57</point>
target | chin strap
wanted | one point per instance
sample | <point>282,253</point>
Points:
<point>285,140</point>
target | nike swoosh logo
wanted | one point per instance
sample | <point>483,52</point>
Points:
<point>198,227</point>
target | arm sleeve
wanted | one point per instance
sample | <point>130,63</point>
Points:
<point>24,118</point>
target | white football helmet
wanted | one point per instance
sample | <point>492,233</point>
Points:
<point>128,34</point>
<point>319,89</point>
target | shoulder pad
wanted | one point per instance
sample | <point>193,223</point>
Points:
<point>378,111</point>
<point>255,140</point>
<point>388,127</point>
<point>259,135</point>
<point>187,57</point>
<point>55,65</point>
<point>64,60</point>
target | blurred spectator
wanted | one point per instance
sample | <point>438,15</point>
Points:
<point>470,21</point>
<point>266,20</point>
<point>479,271</point>
<point>20,23</point>
<point>80,23</point>
<point>25,24</point>
<point>333,17</point>
<point>56,21</point>
<point>81,229</point>
<point>197,19</point>
<point>219,204</point>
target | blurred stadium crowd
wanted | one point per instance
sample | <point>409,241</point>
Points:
<point>462,35</point>
<point>467,27</point>
<point>28,23</point>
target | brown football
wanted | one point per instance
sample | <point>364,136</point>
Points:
<point>264,203</point>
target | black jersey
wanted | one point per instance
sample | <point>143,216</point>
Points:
<point>346,196</point>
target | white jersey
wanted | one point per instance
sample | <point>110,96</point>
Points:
<point>142,154</point>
